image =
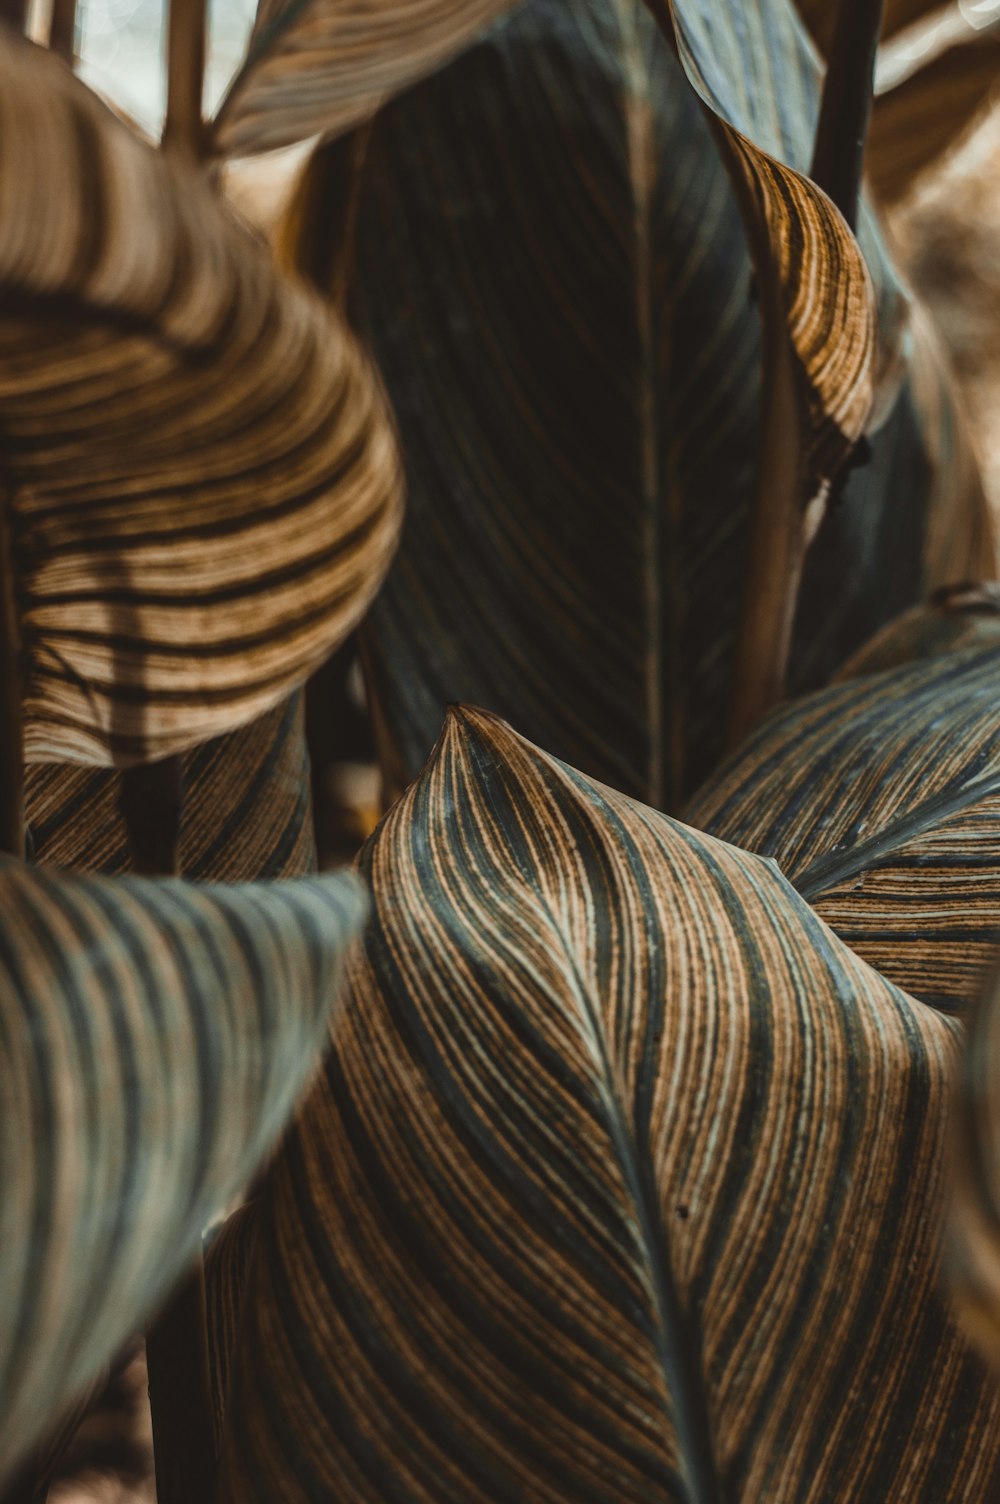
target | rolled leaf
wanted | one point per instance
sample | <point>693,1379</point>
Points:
<point>246,808</point>
<point>580,448</point>
<point>155,1038</point>
<point>879,798</point>
<point>199,469</point>
<point>621,1182</point>
<point>320,66</point>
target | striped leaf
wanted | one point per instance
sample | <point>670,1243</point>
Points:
<point>579,406</point>
<point>246,809</point>
<point>320,66</point>
<point>621,1183</point>
<point>880,800</point>
<point>753,66</point>
<point>973,1244</point>
<point>155,1037</point>
<point>203,487</point>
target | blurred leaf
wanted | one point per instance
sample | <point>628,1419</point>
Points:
<point>320,66</point>
<point>820,15</point>
<point>620,1183</point>
<point>927,113</point>
<point>156,1036</point>
<point>880,800</point>
<point>581,442</point>
<point>201,475</point>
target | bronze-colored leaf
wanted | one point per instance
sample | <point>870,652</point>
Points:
<point>880,800</point>
<point>320,66</point>
<point>200,473</point>
<point>621,1183</point>
<point>156,1035</point>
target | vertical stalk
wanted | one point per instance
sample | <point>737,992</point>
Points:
<point>842,130</point>
<point>184,127</point>
<point>15,13</point>
<point>180,1395</point>
<point>180,1392</point>
<point>62,30</point>
<point>11,692</point>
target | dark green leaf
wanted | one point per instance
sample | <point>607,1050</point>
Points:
<point>555,281</point>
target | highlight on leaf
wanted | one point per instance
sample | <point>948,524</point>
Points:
<point>879,798</point>
<point>318,67</point>
<point>200,471</point>
<point>156,1035</point>
<point>621,1181</point>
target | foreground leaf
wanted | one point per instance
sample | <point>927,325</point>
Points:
<point>320,66</point>
<point>621,1183</point>
<point>880,800</point>
<point>580,448</point>
<point>202,480</point>
<point>156,1036</point>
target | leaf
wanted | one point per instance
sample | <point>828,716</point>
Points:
<point>156,1036</point>
<point>880,800</point>
<point>966,616</point>
<point>973,1241</point>
<point>321,66</point>
<point>581,443</point>
<point>246,808</point>
<point>753,67</point>
<point>201,475</point>
<point>929,110</point>
<point>620,1182</point>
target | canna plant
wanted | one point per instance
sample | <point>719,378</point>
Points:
<point>633,1169</point>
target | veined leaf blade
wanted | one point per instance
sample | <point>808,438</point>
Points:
<point>603,1085</point>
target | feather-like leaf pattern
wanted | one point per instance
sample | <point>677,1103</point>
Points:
<point>880,800</point>
<point>155,1037</point>
<point>621,1183</point>
<point>580,449</point>
<point>200,472</point>
<point>320,66</point>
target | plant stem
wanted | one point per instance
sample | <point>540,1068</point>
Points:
<point>180,1391</point>
<point>184,128</point>
<point>11,711</point>
<point>62,30</point>
<point>15,13</point>
<point>180,1395</point>
<point>839,151</point>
